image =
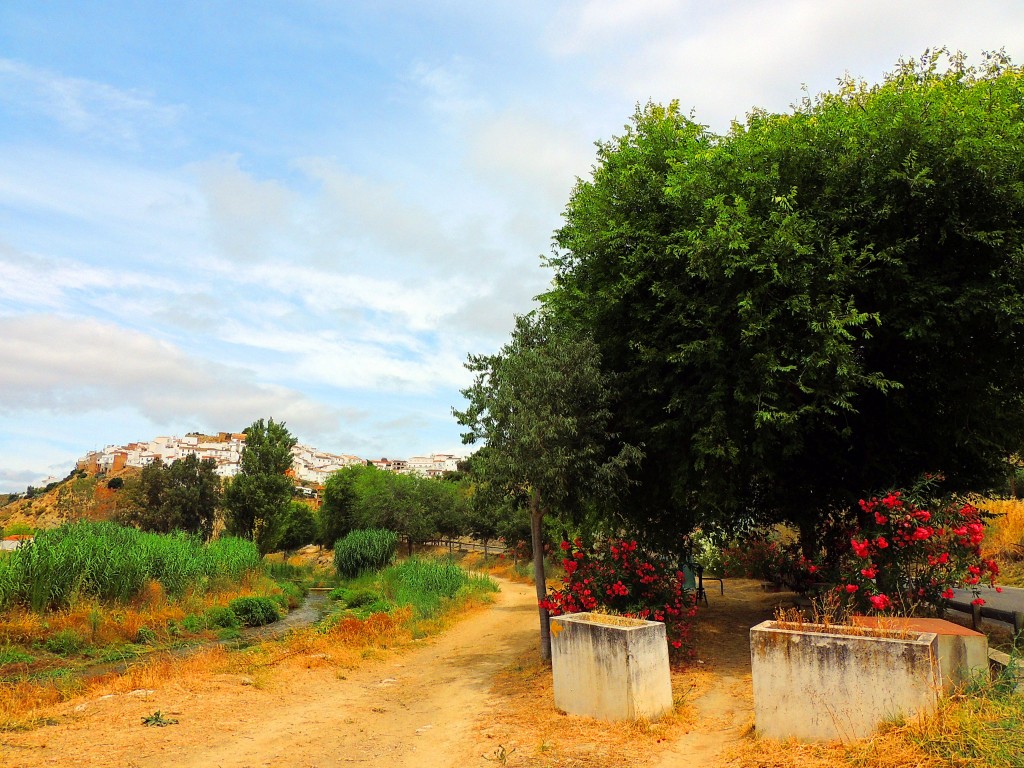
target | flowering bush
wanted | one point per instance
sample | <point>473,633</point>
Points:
<point>771,560</point>
<point>906,556</point>
<point>613,576</point>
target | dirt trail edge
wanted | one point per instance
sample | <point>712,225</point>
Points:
<point>418,708</point>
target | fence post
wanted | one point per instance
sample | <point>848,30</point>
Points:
<point>1018,622</point>
<point>975,616</point>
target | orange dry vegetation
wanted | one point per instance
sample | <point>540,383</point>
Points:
<point>23,701</point>
<point>1004,536</point>
<point>345,644</point>
<point>524,718</point>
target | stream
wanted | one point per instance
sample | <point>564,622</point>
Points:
<point>308,613</point>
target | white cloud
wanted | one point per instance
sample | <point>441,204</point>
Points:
<point>537,160</point>
<point>445,88</point>
<point>249,219</point>
<point>83,106</point>
<point>65,364</point>
<point>725,59</point>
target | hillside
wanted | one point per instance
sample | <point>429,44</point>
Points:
<point>80,496</point>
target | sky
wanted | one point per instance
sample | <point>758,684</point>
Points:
<point>313,211</point>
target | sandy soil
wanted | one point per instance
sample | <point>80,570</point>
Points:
<point>423,707</point>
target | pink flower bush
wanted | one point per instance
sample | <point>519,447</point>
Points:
<point>614,576</point>
<point>906,556</point>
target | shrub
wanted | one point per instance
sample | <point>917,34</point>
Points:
<point>292,594</point>
<point>364,550</point>
<point>426,585</point>
<point>255,611</point>
<point>145,636</point>
<point>223,617</point>
<point>355,598</point>
<point>613,576</point>
<point>911,550</point>
<point>67,642</point>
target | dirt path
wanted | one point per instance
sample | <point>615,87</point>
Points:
<point>725,712</point>
<point>416,709</point>
<point>426,707</point>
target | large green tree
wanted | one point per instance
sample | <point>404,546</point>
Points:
<point>184,495</point>
<point>258,498</point>
<point>815,304</point>
<point>542,404</point>
<point>192,495</point>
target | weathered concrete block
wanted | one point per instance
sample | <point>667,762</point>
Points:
<point>816,685</point>
<point>963,653</point>
<point>610,667</point>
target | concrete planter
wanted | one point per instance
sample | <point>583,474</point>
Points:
<point>963,653</point>
<point>610,667</point>
<point>816,685</point>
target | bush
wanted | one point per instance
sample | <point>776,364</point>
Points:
<point>362,602</point>
<point>223,617</point>
<point>911,550</point>
<point>145,636</point>
<point>67,642</point>
<point>427,584</point>
<point>612,576</point>
<point>292,594</point>
<point>255,611</point>
<point>365,550</point>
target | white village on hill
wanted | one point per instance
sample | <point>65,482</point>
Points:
<point>225,449</point>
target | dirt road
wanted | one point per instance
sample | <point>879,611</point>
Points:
<point>432,706</point>
<point>417,709</point>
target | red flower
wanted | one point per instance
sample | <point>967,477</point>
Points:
<point>948,593</point>
<point>564,545</point>
<point>851,588</point>
<point>860,548</point>
<point>881,543</point>
<point>978,601</point>
<point>880,602</point>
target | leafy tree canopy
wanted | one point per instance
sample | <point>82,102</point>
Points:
<point>258,499</point>
<point>815,304</point>
<point>542,404</point>
<point>184,495</point>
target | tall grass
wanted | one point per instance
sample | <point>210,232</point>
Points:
<point>364,550</point>
<point>113,563</point>
<point>427,585</point>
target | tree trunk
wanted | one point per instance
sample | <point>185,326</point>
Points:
<point>410,545</point>
<point>536,517</point>
<point>809,539</point>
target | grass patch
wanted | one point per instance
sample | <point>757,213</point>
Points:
<point>12,655</point>
<point>428,586</point>
<point>113,563</point>
<point>365,550</point>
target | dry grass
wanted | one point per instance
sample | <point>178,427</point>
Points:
<point>1004,535</point>
<point>967,731</point>
<point>348,643</point>
<point>523,717</point>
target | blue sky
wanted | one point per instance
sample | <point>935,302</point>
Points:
<point>216,212</point>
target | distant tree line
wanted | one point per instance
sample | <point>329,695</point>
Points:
<point>259,502</point>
